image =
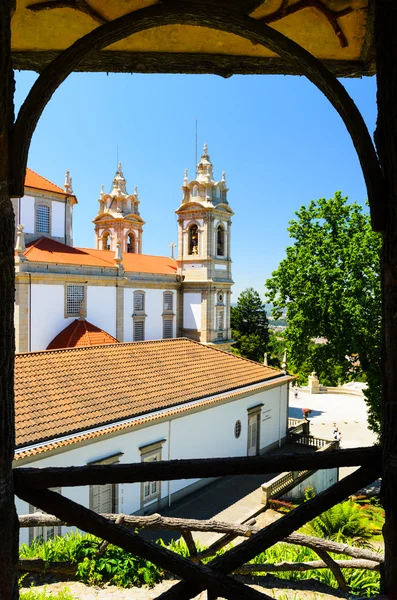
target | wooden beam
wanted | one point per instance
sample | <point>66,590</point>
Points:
<point>84,518</point>
<point>8,517</point>
<point>244,552</point>
<point>114,61</point>
<point>219,18</point>
<point>185,469</point>
<point>386,142</point>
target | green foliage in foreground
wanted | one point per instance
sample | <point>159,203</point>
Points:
<point>121,568</point>
<point>329,283</point>
<point>32,594</point>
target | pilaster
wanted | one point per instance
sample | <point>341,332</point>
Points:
<point>120,309</point>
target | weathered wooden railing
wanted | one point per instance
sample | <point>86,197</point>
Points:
<point>31,484</point>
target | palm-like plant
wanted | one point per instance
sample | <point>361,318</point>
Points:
<point>342,522</point>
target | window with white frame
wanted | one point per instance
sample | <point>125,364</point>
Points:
<point>75,300</point>
<point>151,490</point>
<point>42,218</point>
<point>104,499</point>
<point>43,532</point>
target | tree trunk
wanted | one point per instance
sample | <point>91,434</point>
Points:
<point>8,518</point>
<point>386,141</point>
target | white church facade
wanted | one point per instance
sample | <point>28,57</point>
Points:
<point>115,287</point>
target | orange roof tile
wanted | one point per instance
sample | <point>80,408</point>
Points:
<point>34,180</point>
<point>81,333</point>
<point>67,392</point>
<point>50,251</point>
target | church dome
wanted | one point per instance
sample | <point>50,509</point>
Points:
<point>81,333</point>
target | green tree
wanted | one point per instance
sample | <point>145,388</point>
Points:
<point>249,326</point>
<point>330,284</point>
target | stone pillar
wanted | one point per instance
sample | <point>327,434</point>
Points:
<point>68,222</point>
<point>120,309</point>
<point>314,384</point>
<point>228,329</point>
<point>21,313</point>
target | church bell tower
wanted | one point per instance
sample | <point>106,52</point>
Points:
<point>118,218</point>
<point>204,263</point>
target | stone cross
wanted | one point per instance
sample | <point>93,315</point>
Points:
<point>172,246</point>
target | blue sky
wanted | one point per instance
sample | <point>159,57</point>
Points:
<point>278,139</point>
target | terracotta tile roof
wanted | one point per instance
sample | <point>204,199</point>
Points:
<point>67,392</point>
<point>34,180</point>
<point>81,333</point>
<point>50,251</point>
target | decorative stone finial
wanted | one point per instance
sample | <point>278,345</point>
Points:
<point>205,150</point>
<point>119,167</point>
<point>223,176</point>
<point>118,257</point>
<point>20,242</point>
<point>136,190</point>
<point>102,191</point>
<point>186,178</point>
<point>82,311</point>
<point>68,183</point>
<point>265,360</point>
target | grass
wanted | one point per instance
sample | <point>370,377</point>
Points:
<point>32,594</point>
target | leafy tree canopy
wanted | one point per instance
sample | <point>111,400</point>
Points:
<point>249,325</point>
<point>330,284</point>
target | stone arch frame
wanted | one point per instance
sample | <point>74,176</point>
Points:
<point>130,235</point>
<point>220,239</point>
<point>106,235</point>
<point>193,224</point>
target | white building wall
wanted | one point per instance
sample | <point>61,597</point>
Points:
<point>58,219</point>
<point>47,300</point>
<point>203,434</point>
<point>154,308</point>
<point>27,213</point>
<point>192,311</point>
<point>101,307</point>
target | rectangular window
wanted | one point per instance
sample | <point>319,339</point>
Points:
<point>151,489</point>
<point>42,218</point>
<point>139,330</point>
<point>167,328</point>
<point>104,499</point>
<point>168,301</point>
<point>43,533</point>
<point>139,302</point>
<point>75,296</point>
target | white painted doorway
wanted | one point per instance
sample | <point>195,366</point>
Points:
<point>253,433</point>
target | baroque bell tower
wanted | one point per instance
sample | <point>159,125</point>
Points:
<point>204,262</point>
<point>118,218</point>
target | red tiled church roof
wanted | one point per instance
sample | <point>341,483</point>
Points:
<point>81,333</point>
<point>50,251</point>
<point>34,180</point>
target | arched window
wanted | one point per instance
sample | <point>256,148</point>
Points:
<point>220,241</point>
<point>131,243</point>
<point>106,241</point>
<point>195,190</point>
<point>193,239</point>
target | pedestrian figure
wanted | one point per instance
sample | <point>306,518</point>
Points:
<point>339,437</point>
<point>335,432</point>
<point>296,394</point>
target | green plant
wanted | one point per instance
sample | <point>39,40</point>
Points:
<point>32,594</point>
<point>343,521</point>
<point>308,493</point>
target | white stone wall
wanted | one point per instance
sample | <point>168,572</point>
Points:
<point>58,219</point>
<point>47,317</point>
<point>26,217</point>
<point>154,305</point>
<point>101,307</point>
<point>192,311</point>
<point>203,434</point>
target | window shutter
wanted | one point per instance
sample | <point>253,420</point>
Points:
<point>139,331</point>
<point>167,328</point>
<point>168,297</point>
<point>139,302</point>
<point>42,219</point>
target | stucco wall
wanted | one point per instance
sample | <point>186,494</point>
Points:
<point>47,314</point>
<point>58,219</point>
<point>101,307</point>
<point>203,434</point>
<point>27,213</point>
<point>154,304</point>
<point>192,311</point>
